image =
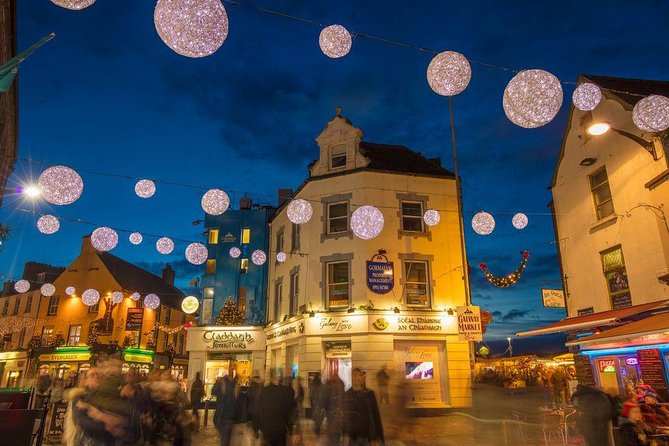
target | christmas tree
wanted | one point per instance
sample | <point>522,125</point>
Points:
<point>229,314</point>
<point>93,338</point>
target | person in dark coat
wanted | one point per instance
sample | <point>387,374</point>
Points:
<point>332,402</point>
<point>560,386</point>
<point>275,415</point>
<point>315,395</point>
<point>362,420</point>
<point>225,390</point>
<point>196,394</point>
<point>596,410</point>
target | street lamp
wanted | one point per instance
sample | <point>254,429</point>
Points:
<point>510,349</point>
<point>600,128</point>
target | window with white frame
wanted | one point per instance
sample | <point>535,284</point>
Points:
<point>337,217</point>
<point>601,193</point>
<point>412,216</point>
<point>338,281</point>
<point>294,292</point>
<point>54,301</point>
<point>417,283</point>
<point>338,156</point>
<point>74,335</point>
<point>47,331</point>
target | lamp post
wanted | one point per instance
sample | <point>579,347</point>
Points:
<point>510,349</point>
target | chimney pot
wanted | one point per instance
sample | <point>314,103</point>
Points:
<point>168,274</point>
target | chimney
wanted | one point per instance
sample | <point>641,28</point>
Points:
<point>436,161</point>
<point>285,195</point>
<point>86,245</point>
<point>245,203</point>
<point>168,274</point>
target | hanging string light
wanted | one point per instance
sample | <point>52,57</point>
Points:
<point>483,223</point>
<point>117,297</point>
<point>215,202</point>
<point>48,290</point>
<point>145,188</point>
<point>367,222</point>
<point>104,238</point>
<point>22,286</point>
<point>70,291</point>
<point>510,279</point>
<point>165,245</point>
<point>235,252</point>
<point>90,297</point>
<point>586,96</point>
<point>299,211</point>
<point>651,114</point>
<point>74,5</point>
<point>519,221</point>
<point>151,301</point>
<point>532,98</point>
<point>48,224</point>
<point>335,41</point>
<point>449,73</point>
<point>258,257</point>
<point>196,253</point>
<point>60,185</point>
<point>431,217</point>
<point>135,238</point>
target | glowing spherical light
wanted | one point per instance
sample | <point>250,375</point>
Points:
<point>60,185</point>
<point>367,222</point>
<point>135,296</point>
<point>48,224</point>
<point>135,238</point>
<point>74,5</point>
<point>651,114</point>
<point>431,217</point>
<point>22,286</point>
<point>117,297</point>
<point>165,245</point>
<point>47,290</point>
<point>483,223</point>
<point>190,304</point>
<point>235,252</point>
<point>151,301</point>
<point>281,256</point>
<point>32,191</point>
<point>90,297</point>
<point>70,291</point>
<point>335,41</point>
<point>532,98</point>
<point>519,221</point>
<point>586,96</point>
<point>258,257</point>
<point>215,202</point>
<point>196,253</point>
<point>299,211</point>
<point>449,73</point>
<point>104,238</point>
<point>192,28</point>
<point>145,188</point>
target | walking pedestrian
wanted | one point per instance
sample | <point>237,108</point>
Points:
<point>315,395</point>
<point>633,431</point>
<point>560,385</point>
<point>362,420</point>
<point>596,410</point>
<point>196,394</point>
<point>225,389</point>
<point>275,408</point>
<point>333,405</point>
<point>382,379</point>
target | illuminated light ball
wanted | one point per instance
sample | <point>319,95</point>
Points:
<point>22,286</point>
<point>586,96</point>
<point>135,238</point>
<point>258,257</point>
<point>196,253</point>
<point>48,224</point>
<point>335,41</point>
<point>190,304</point>
<point>281,256</point>
<point>90,297</point>
<point>192,28</point>
<point>431,217</point>
<point>215,202</point>
<point>532,98</point>
<point>483,223</point>
<point>519,221</point>
<point>367,222</point>
<point>235,252</point>
<point>104,238</point>
<point>70,291</point>
<point>449,73</point>
<point>117,297</point>
<point>135,296</point>
<point>165,245</point>
<point>60,185</point>
<point>74,5</point>
<point>151,301</point>
<point>145,188</point>
<point>651,114</point>
<point>299,211</point>
<point>47,290</point>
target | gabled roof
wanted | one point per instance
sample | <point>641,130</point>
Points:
<point>133,278</point>
<point>400,159</point>
<point>637,88</point>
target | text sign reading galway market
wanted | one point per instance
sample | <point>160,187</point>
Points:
<point>380,278</point>
<point>469,323</point>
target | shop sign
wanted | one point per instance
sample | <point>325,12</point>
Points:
<point>607,365</point>
<point>586,311</point>
<point>334,325</point>
<point>380,277</point>
<point>285,332</point>
<point>65,357</point>
<point>180,361</point>
<point>422,324</point>
<point>652,368</point>
<point>553,298</point>
<point>133,357</point>
<point>622,300</point>
<point>339,349</point>
<point>631,361</point>
<point>219,338</point>
<point>7,356</point>
<point>469,323</point>
<point>133,320</point>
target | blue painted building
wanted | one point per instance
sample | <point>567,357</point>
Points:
<point>239,279</point>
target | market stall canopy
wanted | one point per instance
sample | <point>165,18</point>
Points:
<point>634,331</point>
<point>589,321</point>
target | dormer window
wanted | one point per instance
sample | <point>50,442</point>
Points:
<point>338,156</point>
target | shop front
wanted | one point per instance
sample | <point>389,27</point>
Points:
<point>180,368</point>
<point>137,359</point>
<point>13,368</point>
<point>60,361</point>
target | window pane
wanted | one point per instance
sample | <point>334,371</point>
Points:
<point>602,194</point>
<point>338,289</point>
<point>211,266</point>
<point>411,208</point>
<point>412,224</point>
<point>339,225</point>
<point>246,235</point>
<point>416,272</point>
<point>598,178</point>
<point>338,161</point>
<point>416,283</point>
<point>213,236</point>
<point>245,265</point>
<point>605,209</point>
<point>338,210</point>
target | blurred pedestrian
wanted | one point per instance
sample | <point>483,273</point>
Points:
<point>225,389</point>
<point>596,410</point>
<point>382,378</point>
<point>275,408</point>
<point>333,406</point>
<point>633,431</point>
<point>315,395</point>
<point>362,420</point>
<point>560,385</point>
<point>42,389</point>
<point>196,395</point>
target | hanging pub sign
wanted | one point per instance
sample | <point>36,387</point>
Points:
<point>133,321</point>
<point>552,298</point>
<point>469,323</point>
<point>380,277</point>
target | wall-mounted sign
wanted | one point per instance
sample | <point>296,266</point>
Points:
<point>380,324</point>
<point>380,276</point>
<point>65,357</point>
<point>133,357</point>
<point>622,300</point>
<point>285,332</point>
<point>631,361</point>
<point>553,298</point>
<point>216,338</point>
<point>469,323</point>
<point>339,349</point>
<point>652,368</point>
<point>607,365</point>
<point>229,238</point>
<point>133,320</point>
<point>6,356</point>
<point>585,311</point>
<point>337,325</point>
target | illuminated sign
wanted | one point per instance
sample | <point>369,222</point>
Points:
<point>131,357</point>
<point>631,361</point>
<point>607,365</point>
<point>65,357</point>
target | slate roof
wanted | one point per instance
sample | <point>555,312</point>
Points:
<point>400,159</point>
<point>639,88</point>
<point>133,278</point>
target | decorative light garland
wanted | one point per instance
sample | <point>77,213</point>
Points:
<point>171,330</point>
<point>511,279</point>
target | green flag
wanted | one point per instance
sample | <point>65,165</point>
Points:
<point>10,68</point>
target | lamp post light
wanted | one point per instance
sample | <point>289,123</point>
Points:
<point>510,347</point>
<point>600,128</point>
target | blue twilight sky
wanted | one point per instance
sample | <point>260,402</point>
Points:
<point>107,95</point>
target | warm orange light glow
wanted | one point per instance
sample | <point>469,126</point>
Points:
<point>598,128</point>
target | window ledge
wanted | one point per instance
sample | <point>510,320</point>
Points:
<point>415,234</point>
<point>603,223</point>
<point>337,235</point>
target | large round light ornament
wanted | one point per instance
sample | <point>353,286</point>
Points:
<point>196,253</point>
<point>192,28</point>
<point>367,222</point>
<point>70,291</point>
<point>90,297</point>
<point>431,217</point>
<point>48,290</point>
<point>651,114</point>
<point>60,185</point>
<point>48,224</point>
<point>586,96</point>
<point>449,73</point>
<point>117,297</point>
<point>235,252</point>
<point>104,238</point>
<point>145,188</point>
<point>22,286</point>
<point>151,301</point>
<point>165,245</point>
<point>532,98</point>
<point>299,211</point>
<point>281,256</point>
<point>135,238</point>
<point>519,221</point>
<point>135,296</point>
<point>74,5</point>
<point>215,202</point>
<point>190,304</point>
<point>258,257</point>
<point>335,41</point>
<point>483,223</point>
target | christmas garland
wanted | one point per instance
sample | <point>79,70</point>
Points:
<point>511,279</point>
<point>172,330</point>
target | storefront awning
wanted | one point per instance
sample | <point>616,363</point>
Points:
<point>653,325</point>
<point>587,321</point>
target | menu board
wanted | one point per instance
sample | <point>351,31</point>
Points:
<point>57,419</point>
<point>583,370</point>
<point>652,369</point>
